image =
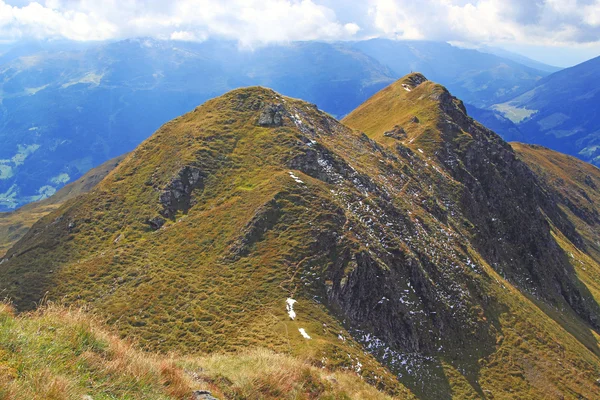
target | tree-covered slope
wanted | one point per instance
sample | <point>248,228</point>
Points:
<point>422,254</point>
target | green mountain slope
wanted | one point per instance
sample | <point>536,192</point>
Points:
<point>561,112</point>
<point>423,255</point>
<point>13,225</point>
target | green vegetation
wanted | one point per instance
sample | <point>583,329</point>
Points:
<point>514,113</point>
<point>14,225</point>
<point>57,353</point>
<point>434,263</point>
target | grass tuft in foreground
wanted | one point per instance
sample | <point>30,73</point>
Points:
<point>58,353</point>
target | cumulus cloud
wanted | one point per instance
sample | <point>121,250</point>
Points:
<point>252,22</point>
<point>543,22</point>
<point>248,21</point>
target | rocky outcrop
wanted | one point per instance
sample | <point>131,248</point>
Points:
<point>177,195</point>
<point>397,133</point>
<point>202,395</point>
<point>271,116</point>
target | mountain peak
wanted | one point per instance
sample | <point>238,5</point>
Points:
<point>411,80</point>
<point>414,105</point>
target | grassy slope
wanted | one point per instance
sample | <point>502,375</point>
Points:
<point>216,278</point>
<point>209,298</point>
<point>14,225</point>
<point>577,185</point>
<point>57,353</point>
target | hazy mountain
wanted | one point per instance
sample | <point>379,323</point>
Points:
<point>424,254</point>
<point>478,78</point>
<point>62,113</point>
<point>521,59</point>
<point>561,111</point>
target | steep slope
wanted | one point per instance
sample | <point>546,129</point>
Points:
<point>496,122</point>
<point>501,198</point>
<point>14,225</point>
<point>476,77</point>
<point>57,353</point>
<point>561,112</point>
<point>577,186</point>
<point>425,251</point>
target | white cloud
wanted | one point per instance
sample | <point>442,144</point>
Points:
<point>248,21</point>
<point>543,22</point>
<point>252,22</point>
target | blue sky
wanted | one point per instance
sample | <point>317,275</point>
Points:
<point>559,32</point>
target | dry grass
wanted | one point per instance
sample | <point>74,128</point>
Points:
<point>59,353</point>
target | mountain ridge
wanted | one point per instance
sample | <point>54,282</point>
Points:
<point>110,96</point>
<point>416,252</point>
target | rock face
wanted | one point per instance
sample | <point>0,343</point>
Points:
<point>397,133</point>
<point>512,230</point>
<point>271,115</point>
<point>177,196</point>
<point>426,255</point>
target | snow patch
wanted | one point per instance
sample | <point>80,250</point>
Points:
<point>294,177</point>
<point>289,306</point>
<point>303,333</point>
<point>406,87</point>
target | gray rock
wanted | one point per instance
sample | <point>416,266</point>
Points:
<point>397,133</point>
<point>156,223</point>
<point>271,115</point>
<point>177,195</point>
<point>203,395</point>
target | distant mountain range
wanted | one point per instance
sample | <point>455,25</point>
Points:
<point>562,111</point>
<point>67,107</point>
<point>481,79</point>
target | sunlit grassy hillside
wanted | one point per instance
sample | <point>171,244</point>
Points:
<point>57,353</point>
<point>14,225</point>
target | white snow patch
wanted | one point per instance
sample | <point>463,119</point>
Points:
<point>406,87</point>
<point>420,151</point>
<point>304,334</point>
<point>358,367</point>
<point>294,177</point>
<point>289,306</point>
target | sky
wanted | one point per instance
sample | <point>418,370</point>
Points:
<point>558,32</point>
